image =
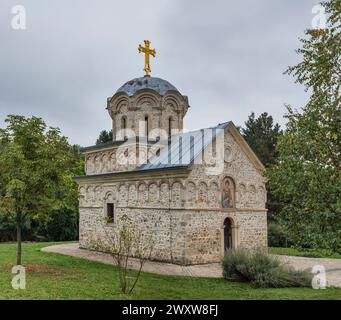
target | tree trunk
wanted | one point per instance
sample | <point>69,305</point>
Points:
<point>19,218</point>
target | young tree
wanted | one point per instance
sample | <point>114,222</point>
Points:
<point>126,243</point>
<point>308,176</point>
<point>36,169</point>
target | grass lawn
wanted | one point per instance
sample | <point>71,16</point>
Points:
<point>305,253</point>
<point>54,276</point>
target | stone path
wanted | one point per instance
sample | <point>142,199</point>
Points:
<point>213,270</point>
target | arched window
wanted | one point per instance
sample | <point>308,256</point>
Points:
<point>146,126</point>
<point>170,126</point>
<point>227,234</point>
<point>124,123</point>
<point>124,126</point>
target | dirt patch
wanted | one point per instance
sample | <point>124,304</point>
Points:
<point>40,268</point>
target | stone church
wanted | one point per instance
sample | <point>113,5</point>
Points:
<point>197,193</point>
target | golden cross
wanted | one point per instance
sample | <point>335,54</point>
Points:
<point>147,52</point>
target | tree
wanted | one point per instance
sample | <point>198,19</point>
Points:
<point>262,134</point>
<point>36,170</point>
<point>104,136</point>
<point>123,241</point>
<point>308,176</point>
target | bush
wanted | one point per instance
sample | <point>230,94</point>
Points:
<point>8,229</point>
<point>262,271</point>
<point>61,226</point>
<point>56,226</point>
<point>276,236</point>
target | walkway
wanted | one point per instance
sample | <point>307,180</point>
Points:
<point>332,266</point>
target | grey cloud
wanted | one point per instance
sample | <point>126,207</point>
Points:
<point>227,56</point>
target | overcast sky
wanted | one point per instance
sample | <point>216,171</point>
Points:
<point>228,57</point>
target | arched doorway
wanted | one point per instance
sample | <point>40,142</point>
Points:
<point>227,234</point>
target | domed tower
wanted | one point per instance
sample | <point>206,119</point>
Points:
<point>147,106</point>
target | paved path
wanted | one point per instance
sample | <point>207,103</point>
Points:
<point>204,270</point>
<point>333,266</point>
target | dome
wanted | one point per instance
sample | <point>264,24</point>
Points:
<point>157,84</point>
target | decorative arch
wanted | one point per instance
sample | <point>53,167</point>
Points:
<point>105,163</point>
<point>132,194</point>
<point>97,163</point>
<point>214,194</point>
<point>262,195</point>
<point>172,102</point>
<point>191,192</point>
<point>109,195</point>
<point>142,193</point>
<point>252,194</point>
<point>176,193</point>
<point>146,99</point>
<point>164,193</point>
<point>242,198</point>
<point>118,103</point>
<point>202,192</point>
<point>153,193</point>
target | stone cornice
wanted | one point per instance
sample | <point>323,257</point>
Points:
<point>232,210</point>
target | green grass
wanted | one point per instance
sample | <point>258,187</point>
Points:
<point>305,253</point>
<point>54,276</point>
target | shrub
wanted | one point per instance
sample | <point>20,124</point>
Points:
<point>276,236</point>
<point>262,270</point>
<point>60,226</point>
<point>56,226</point>
<point>8,229</point>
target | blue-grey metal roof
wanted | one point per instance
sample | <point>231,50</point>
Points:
<point>183,148</point>
<point>157,84</point>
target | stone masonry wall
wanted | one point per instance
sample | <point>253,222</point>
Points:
<point>185,213</point>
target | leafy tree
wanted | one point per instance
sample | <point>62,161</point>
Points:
<point>104,136</point>
<point>308,176</point>
<point>262,134</point>
<point>37,166</point>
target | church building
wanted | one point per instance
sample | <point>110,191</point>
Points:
<point>197,193</point>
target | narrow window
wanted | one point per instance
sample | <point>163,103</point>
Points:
<point>169,126</point>
<point>146,125</point>
<point>110,212</point>
<point>124,126</point>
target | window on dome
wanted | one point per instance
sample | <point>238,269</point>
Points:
<point>146,126</point>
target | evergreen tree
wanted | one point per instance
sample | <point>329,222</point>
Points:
<point>104,137</point>
<point>262,134</point>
